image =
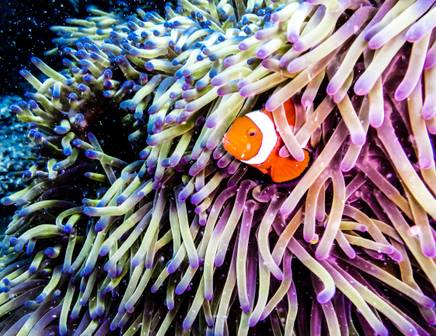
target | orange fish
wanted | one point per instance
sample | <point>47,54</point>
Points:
<point>254,140</point>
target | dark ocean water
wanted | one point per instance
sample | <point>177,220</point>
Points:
<point>24,32</point>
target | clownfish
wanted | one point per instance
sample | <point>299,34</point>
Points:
<point>254,140</point>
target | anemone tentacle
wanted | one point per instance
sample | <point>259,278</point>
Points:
<point>136,221</point>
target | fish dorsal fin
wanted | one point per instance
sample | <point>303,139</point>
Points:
<point>290,111</point>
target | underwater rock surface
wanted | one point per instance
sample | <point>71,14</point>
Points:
<point>136,221</point>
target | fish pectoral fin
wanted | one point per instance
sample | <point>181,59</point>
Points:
<point>287,169</point>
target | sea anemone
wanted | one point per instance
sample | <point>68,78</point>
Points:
<point>136,221</point>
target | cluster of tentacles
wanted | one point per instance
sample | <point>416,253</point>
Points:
<point>136,221</point>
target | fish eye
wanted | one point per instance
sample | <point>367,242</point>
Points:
<point>252,132</point>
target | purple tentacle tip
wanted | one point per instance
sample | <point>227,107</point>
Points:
<point>325,296</point>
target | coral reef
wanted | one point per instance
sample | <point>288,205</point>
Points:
<point>136,221</point>
<point>15,154</point>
